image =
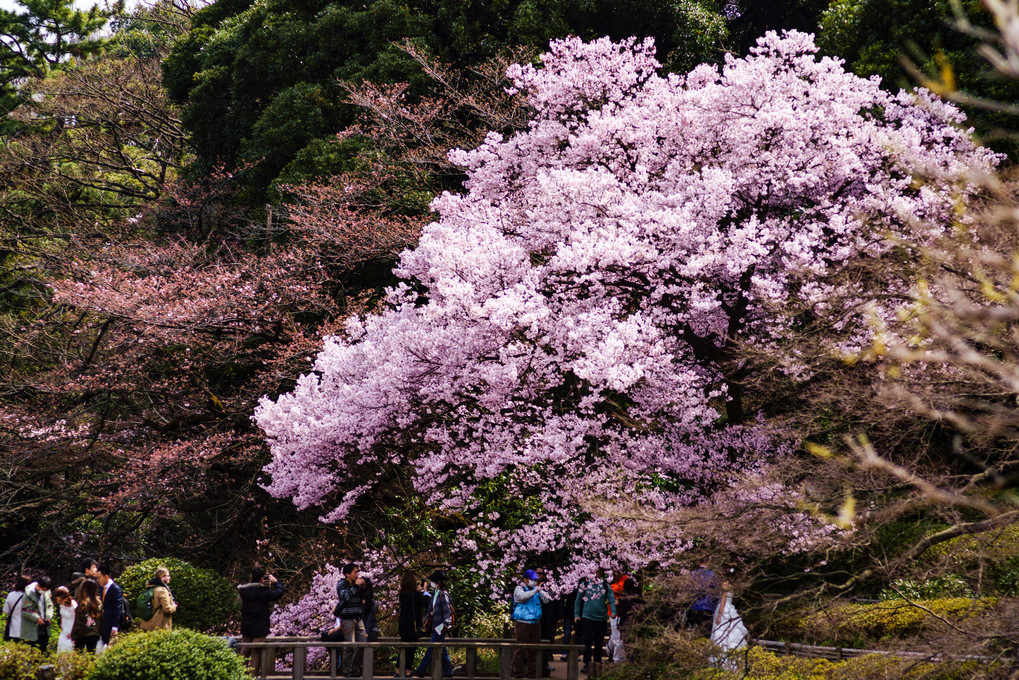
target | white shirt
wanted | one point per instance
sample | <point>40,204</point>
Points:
<point>14,612</point>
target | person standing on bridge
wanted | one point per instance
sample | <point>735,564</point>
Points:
<point>528,598</point>
<point>595,604</point>
<point>256,610</point>
<point>438,620</point>
<point>352,592</point>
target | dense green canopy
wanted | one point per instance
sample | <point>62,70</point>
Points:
<point>260,81</point>
<point>876,36</point>
<point>37,36</point>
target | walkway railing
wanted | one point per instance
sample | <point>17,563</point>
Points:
<point>272,648</point>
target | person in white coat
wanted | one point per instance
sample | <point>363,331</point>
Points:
<point>67,605</point>
<point>12,608</point>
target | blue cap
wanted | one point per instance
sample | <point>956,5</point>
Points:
<point>532,575</point>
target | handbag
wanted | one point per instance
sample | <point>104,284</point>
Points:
<point>7,624</point>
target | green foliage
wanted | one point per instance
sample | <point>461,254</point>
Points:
<point>893,538</point>
<point>259,83</point>
<point>964,551</point>
<point>1005,577</point>
<point>949,585</point>
<point>169,655</point>
<point>663,663</point>
<point>874,36</point>
<point>36,38</point>
<point>206,600</point>
<point>851,625</point>
<point>75,665</point>
<point>19,661</point>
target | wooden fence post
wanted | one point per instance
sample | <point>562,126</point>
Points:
<point>573,664</point>
<point>436,663</point>
<point>471,664</point>
<point>264,653</point>
<point>368,663</point>
<point>300,659</point>
<point>505,659</point>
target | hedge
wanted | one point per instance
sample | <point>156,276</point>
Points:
<point>169,655</point>
<point>206,601</point>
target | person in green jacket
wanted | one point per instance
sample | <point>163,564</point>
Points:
<point>37,614</point>
<point>594,605</point>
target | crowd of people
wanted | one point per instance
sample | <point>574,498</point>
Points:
<point>92,611</point>
<point>598,607</point>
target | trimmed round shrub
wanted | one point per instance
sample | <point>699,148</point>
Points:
<point>169,655</point>
<point>206,601</point>
<point>19,661</point>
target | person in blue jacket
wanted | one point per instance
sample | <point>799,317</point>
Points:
<point>527,600</point>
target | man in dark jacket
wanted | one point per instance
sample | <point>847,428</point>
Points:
<point>113,605</point>
<point>256,608</point>
<point>351,590</point>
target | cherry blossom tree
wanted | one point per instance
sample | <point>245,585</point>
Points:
<point>571,326</point>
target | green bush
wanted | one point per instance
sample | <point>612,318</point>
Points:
<point>949,585</point>
<point>75,665</point>
<point>1005,577</point>
<point>965,551</point>
<point>19,661</point>
<point>169,655</point>
<point>855,624</point>
<point>206,601</point>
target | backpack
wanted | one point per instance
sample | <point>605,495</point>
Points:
<point>126,620</point>
<point>143,605</point>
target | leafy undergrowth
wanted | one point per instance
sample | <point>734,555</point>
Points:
<point>693,660</point>
<point>859,625</point>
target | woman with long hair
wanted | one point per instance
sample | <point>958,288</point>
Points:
<point>414,602</point>
<point>88,616</point>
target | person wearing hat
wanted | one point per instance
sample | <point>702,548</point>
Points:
<point>438,620</point>
<point>527,600</point>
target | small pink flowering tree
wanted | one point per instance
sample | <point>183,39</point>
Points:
<point>571,326</point>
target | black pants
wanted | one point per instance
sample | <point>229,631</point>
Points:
<point>42,640</point>
<point>410,651</point>
<point>593,633</point>
<point>88,643</point>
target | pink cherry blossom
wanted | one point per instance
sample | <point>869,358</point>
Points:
<point>568,328</point>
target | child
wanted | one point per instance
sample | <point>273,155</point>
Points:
<point>67,606</point>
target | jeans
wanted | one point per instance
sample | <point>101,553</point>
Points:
<point>353,631</point>
<point>426,663</point>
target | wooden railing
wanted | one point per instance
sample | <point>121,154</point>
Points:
<point>299,646</point>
